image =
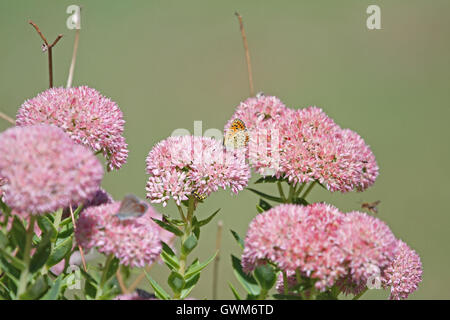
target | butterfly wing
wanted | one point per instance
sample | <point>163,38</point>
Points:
<point>237,135</point>
<point>131,207</point>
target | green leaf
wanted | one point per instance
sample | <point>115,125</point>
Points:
<point>264,205</point>
<point>42,253</point>
<point>66,231</point>
<point>159,292</point>
<point>169,257</point>
<point>4,208</point>
<point>266,196</point>
<point>111,268</point>
<point>176,281</point>
<point>195,227</point>
<point>176,222</point>
<point>46,225</point>
<point>18,233</point>
<point>196,269</point>
<point>189,244</point>
<point>266,276</point>
<point>54,291</point>
<point>3,240</point>
<point>13,262</point>
<point>35,290</point>
<point>189,285</point>
<point>235,293</point>
<point>60,251</point>
<point>207,220</point>
<point>238,239</point>
<point>168,227</point>
<point>248,282</point>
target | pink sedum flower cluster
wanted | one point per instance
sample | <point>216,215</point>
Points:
<point>136,242</point>
<point>262,116</point>
<point>297,238</point>
<point>315,148</point>
<point>304,145</point>
<point>88,117</point>
<point>179,166</point>
<point>404,273</point>
<point>329,247</point>
<point>369,244</point>
<point>46,170</point>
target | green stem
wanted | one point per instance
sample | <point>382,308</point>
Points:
<point>186,234</point>
<point>311,186</point>
<point>291,194</point>
<point>180,210</point>
<point>285,283</point>
<point>108,261</point>
<point>103,279</point>
<point>280,190</point>
<point>300,189</point>
<point>263,294</point>
<point>359,295</point>
<point>26,258</point>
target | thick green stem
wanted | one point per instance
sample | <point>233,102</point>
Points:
<point>280,190</point>
<point>291,194</point>
<point>300,189</point>
<point>26,258</point>
<point>311,186</point>
<point>180,210</point>
<point>186,234</point>
<point>285,283</point>
<point>108,261</point>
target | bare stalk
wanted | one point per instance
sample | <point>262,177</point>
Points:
<point>74,58</point>
<point>48,47</point>
<point>7,118</point>
<point>247,54</point>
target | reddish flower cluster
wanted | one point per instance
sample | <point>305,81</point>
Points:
<point>305,145</point>
<point>179,166</point>
<point>135,242</point>
<point>88,117</point>
<point>329,247</point>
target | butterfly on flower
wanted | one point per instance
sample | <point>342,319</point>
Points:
<point>236,136</point>
<point>198,196</point>
<point>131,207</point>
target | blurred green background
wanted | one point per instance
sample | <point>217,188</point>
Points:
<point>168,63</point>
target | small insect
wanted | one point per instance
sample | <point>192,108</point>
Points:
<point>131,207</point>
<point>237,135</point>
<point>198,196</point>
<point>44,47</point>
<point>371,206</point>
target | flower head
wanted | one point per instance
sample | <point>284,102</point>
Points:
<point>262,116</point>
<point>46,170</point>
<point>88,117</point>
<point>316,148</point>
<point>179,166</point>
<point>136,242</point>
<point>369,245</point>
<point>297,238</point>
<point>404,273</point>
